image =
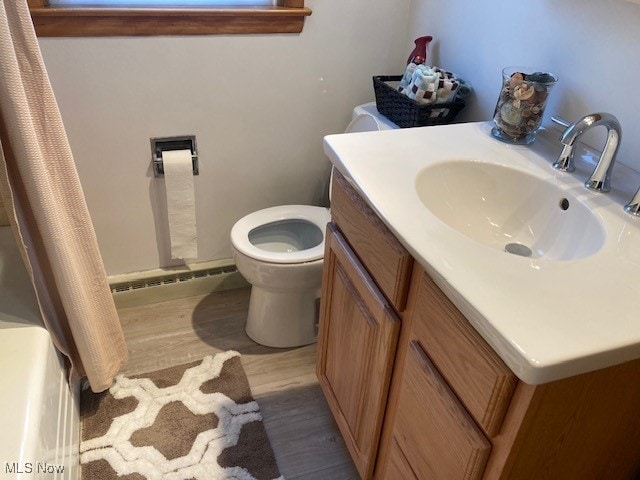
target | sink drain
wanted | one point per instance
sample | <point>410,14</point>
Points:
<point>518,249</point>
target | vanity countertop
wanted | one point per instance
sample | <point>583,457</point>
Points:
<point>547,319</point>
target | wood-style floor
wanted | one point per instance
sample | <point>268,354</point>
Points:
<point>303,434</point>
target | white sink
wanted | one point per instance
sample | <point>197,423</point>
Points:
<point>456,197</point>
<point>509,210</point>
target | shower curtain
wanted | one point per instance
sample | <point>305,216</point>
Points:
<point>41,190</point>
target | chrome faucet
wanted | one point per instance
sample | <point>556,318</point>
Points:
<point>600,179</point>
<point>633,207</point>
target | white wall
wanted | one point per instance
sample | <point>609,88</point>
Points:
<point>593,46</point>
<point>259,106</point>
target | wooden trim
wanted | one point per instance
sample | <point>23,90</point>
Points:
<point>101,22</point>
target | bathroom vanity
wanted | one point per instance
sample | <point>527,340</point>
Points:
<point>424,380</point>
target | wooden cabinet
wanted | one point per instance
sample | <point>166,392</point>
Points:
<point>418,394</point>
<point>356,345</point>
<point>359,320</point>
<point>397,465</point>
<point>585,427</point>
<point>436,434</point>
<point>382,255</point>
<point>476,374</point>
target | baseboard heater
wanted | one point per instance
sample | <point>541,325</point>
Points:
<point>152,286</point>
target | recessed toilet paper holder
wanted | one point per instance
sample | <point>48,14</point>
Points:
<point>159,145</point>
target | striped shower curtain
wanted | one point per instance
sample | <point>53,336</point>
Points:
<point>41,191</point>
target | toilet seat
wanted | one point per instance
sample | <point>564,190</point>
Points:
<point>318,216</point>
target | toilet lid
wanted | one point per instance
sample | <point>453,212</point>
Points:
<point>241,232</point>
<point>363,122</point>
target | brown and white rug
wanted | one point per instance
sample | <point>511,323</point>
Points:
<point>196,421</point>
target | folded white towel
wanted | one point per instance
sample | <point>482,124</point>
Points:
<point>406,78</point>
<point>423,86</point>
<point>430,85</point>
<point>447,86</point>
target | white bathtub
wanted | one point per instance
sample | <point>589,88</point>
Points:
<point>39,412</point>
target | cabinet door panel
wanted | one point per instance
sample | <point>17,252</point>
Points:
<point>347,359</point>
<point>398,467</point>
<point>434,431</point>
<point>473,370</point>
<point>356,348</point>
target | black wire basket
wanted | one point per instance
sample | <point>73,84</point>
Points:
<point>406,112</point>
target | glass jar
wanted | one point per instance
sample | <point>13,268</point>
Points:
<point>521,104</point>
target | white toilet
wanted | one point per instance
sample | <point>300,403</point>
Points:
<point>280,251</point>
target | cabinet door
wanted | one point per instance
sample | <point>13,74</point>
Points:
<point>479,378</point>
<point>356,348</point>
<point>398,467</point>
<point>437,436</point>
<point>379,250</point>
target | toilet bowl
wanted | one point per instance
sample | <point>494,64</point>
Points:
<point>279,251</point>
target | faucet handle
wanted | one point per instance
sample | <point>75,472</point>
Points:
<point>560,121</point>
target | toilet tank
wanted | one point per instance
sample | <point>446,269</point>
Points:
<point>366,118</point>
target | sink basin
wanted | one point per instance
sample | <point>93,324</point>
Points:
<point>509,210</point>
<point>456,197</point>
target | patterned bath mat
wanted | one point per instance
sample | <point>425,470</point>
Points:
<point>191,422</point>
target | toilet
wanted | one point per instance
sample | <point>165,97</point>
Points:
<point>279,251</point>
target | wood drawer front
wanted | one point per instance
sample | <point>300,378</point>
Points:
<point>434,431</point>
<point>473,370</point>
<point>356,349</point>
<point>398,467</point>
<point>381,253</point>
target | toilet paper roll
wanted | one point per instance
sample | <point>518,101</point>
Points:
<point>181,203</point>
